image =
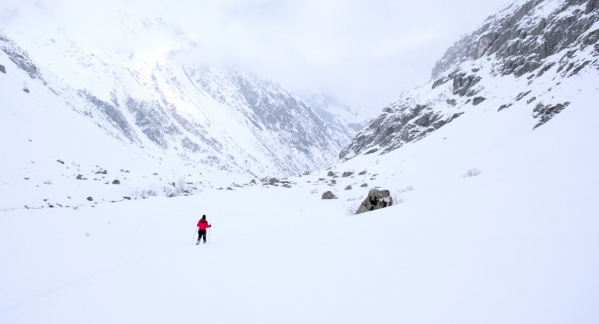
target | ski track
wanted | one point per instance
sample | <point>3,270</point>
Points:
<point>34,298</point>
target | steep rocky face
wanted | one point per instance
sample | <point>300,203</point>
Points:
<point>530,51</point>
<point>525,33</point>
<point>227,120</point>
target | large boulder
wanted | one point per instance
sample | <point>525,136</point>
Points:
<point>328,195</point>
<point>376,199</point>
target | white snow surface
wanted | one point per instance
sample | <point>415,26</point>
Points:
<point>517,243</point>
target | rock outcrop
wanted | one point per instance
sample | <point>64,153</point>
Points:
<point>376,199</point>
<point>328,195</point>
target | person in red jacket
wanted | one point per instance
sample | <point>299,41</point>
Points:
<point>202,226</point>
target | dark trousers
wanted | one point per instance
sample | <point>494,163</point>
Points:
<point>200,234</point>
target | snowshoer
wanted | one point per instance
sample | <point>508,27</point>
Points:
<point>202,226</point>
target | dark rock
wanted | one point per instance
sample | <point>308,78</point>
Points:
<point>579,68</point>
<point>502,107</point>
<point>333,181</point>
<point>331,173</point>
<point>348,188</point>
<point>451,102</point>
<point>591,5</point>
<point>272,181</point>
<point>522,95</point>
<point>362,173</point>
<point>364,185</point>
<point>229,188</point>
<point>253,181</point>
<point>531,100</point>
<point>2,69</point>
<point>328,195</point>
<point>347,174</point>
<point>462,84</point>
<point>545,113</point>
<point>128,198</point>
<point>20,58</point>
<point>478,100</point>
<point>26,90</point>
<point>79,177</point>
<point>90,198</point>
<point>116,182</point>
<point>440,82</point>
<point>60,161</point>
<point>376,199</point>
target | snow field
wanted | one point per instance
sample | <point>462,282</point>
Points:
<point>515,244</point>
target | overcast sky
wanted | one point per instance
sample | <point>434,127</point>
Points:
<point>362,52</point>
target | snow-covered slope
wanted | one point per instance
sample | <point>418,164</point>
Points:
<point>96,109</point>
<point>516,244</point>
<point>238,122</point>
<point>495,221</point>
<point>532,55</point>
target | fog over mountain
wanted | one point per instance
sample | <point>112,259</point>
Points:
<point>352,50</point>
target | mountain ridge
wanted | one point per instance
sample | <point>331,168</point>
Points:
<point>539,45</point>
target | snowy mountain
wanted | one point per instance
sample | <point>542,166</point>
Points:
<point>177,118</point>
<point>339,117</point>
<point>158,103</point>
<point>530,55</point>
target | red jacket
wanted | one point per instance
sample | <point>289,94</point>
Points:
<point>203,224</point>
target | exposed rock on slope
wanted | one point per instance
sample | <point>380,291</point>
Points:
<point>376,199</point>
<point>534,50</point>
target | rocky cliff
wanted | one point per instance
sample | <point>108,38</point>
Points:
<point>531,53</point>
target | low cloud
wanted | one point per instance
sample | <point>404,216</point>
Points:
<point>364,53</point>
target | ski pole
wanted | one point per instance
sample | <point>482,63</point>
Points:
<point>208,234</point>
<point>194,236</point>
